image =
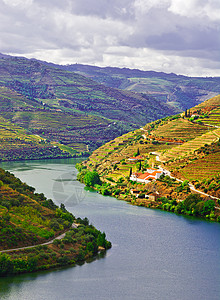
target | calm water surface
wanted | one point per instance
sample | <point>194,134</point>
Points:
<point>155,254</point>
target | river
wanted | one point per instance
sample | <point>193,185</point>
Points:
<point>155,254</point>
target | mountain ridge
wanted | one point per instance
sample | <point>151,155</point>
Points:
<point>54,104</point>
<point>177,89</point>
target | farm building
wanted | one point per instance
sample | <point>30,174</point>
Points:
<point>151,174</point>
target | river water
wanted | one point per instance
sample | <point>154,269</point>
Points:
<point>155,254</point>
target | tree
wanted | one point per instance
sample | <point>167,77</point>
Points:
<point>138,152</point>
<point>139,168</point>
<point>92,178</point>
<point>208,207</point>
<point>101,241</point>
<point>6,265</point>
<point>130,172</point>
<point>192,198</point>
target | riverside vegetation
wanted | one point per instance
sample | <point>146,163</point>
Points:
<point>28,218</point>
<point>187,145</point>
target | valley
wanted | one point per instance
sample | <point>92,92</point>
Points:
<point>69,109</point>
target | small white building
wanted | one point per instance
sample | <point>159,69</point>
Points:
<point>151,174</point>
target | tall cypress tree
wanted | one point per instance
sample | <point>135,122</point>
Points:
<point>140,166</point>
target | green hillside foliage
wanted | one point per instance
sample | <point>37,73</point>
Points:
<point>189,149</point>
<point>64,107</point>
<point>179,91</point>
<point>28,218</point>
<point>17,144</point>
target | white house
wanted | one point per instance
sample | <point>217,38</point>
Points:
<point>151,174</point>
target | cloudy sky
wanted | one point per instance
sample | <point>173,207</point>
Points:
<point>180,36</point>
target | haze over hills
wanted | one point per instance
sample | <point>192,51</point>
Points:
<point>177,90</point>
<point>68,108</point>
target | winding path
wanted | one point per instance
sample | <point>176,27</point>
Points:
<point>74,225</point>
<point>191,186</point>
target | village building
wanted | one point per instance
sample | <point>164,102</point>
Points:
<point>151,174</point>
<point>136,158</point>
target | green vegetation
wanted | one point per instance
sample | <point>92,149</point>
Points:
<point>16,144</point>
<point>188,149</point>
<point>28,218</point>
<point>78,245</point>
<point>179,91</point>
<point>91,178</point>
<point>60,107</point>
<point>193,205</point>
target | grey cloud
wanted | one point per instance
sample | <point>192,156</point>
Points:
<point>93,31</point>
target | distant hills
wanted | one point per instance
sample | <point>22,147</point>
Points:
<point>63,107</point>
<point>178,91</point>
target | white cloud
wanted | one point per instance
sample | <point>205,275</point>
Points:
<point>18,3</point>
<point>196,8</point>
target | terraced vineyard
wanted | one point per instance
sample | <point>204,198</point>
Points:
<point>179,91</point>
<point>65,107</point>
<point>17,144</point>
<point>191,146</point>
<point>209,115</point>
<point>179,129</point>
<point>203,168</point>
<point>189,149</point>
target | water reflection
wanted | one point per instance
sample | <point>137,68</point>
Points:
<point>155,254</point>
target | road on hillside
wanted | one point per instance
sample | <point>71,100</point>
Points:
<point>191,186</point>
<point>60,237</point>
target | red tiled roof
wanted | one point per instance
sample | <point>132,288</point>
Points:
<point>143,176</point>
<point>137,157</point>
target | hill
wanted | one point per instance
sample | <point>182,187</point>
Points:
<point>186,146</point>
<point>179,91</point>
<point>28,218</point>
<point>18,144</point>
<point>66,107</point>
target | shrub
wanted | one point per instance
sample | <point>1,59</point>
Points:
<point>92,178</point>
<point>208,206</point>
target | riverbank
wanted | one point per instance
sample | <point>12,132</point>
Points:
<point>148,246</point>
<point>79,245</point>
<point>165,193</point>
<point>32,231</point>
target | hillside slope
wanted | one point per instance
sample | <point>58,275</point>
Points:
<point>179,91</point>
<point>187,145</point>
<point>18,144</point>
<point>85,113</point>
<point>28,219</point>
